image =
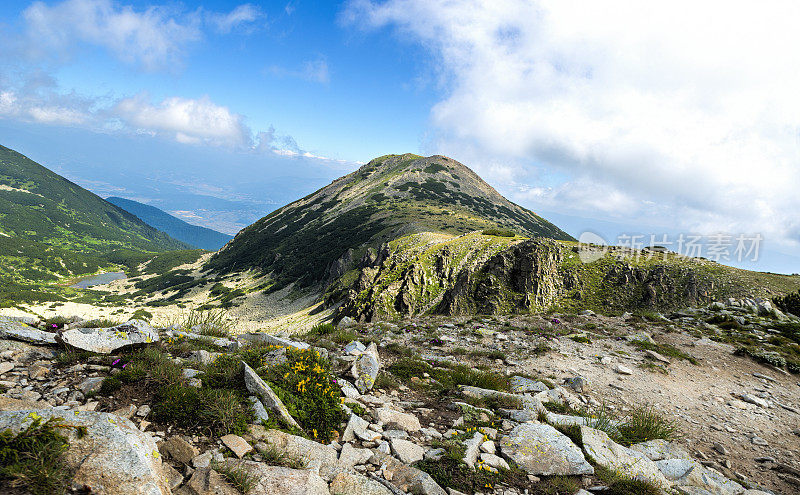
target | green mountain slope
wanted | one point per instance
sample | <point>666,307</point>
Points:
<point>194,235</point>
<point>317,238</point>
<point>52,228</point>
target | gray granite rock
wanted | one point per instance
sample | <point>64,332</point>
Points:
<point>540,449</point>
<point>108,340</point>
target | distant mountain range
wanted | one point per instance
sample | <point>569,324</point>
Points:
<point>194,235</point>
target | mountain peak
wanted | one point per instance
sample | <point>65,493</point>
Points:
<point>391,196</point>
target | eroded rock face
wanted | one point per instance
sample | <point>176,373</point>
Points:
<point>113,458</point>
<point>540,449</point>
<point>621,459</point>
<point>108,340</point>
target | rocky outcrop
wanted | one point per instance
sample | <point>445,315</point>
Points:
<point>478,274</point>
<point>540,449</point>
<point>112,458</point>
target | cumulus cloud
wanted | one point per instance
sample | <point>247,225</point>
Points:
<point>188,120</point>
<point>153,38</point>
<point>683,109</point>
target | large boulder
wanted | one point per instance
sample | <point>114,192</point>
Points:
<point>319,458</point>
<point>278,480</point>
<point>540,449</point>
<point>206,481</point>
<point>623,460</point>
<point>690,473</point>
<point>405,477</point>
<point>14,330</point>
<point>112,458</point>
<point>108,340</point>
<point>657,450</point>
<point>267,396</point>
<point>266,338</point>
<point>393,419</point>
<point>357,484</point>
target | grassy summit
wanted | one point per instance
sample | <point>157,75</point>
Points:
<point>391,196</point>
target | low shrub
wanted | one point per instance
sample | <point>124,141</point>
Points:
<point>309,391</point>
<point>645,423</point>
<point>772,358</point>
<point>499,232</point>
<point>219,410</point>
<point>32,459</point>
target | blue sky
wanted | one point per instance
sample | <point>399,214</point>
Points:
<point>612,117</point>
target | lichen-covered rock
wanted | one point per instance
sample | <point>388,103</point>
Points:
<point>540,449</point>
<point>319,458</point>
<point>366,367</point>
<point>690,473</point>
<point>267,396</point>
<point>615,457</point>
<point>357,484</point>
<point>405,477</point>
<point>112,458</point>
<point>108,340</point>
<point>11,329</point>
<point>278,480</point>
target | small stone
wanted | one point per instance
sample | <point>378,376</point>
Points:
<point>494,461</point>
<point>38,371</point>
<point>5,367</point>
<point>407,451</point>
<point>92,384</point>
<point>143,411</point>
<point>623,370</point>
<point>179,449</point>
<point>755,400</point>
<point>759,441</point>
<point>237,444</point>
<point>203,460</point>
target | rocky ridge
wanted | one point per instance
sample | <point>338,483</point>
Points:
<point>416,421</point>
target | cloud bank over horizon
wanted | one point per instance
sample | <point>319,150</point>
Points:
<point>668,112</point>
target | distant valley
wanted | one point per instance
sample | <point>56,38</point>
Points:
<point>194,235</point>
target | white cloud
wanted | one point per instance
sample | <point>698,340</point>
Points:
<point>311,70</point>
<point>241,15</point>
<point>153,38</point>
<point>187,120</point>
<point>691,106</point>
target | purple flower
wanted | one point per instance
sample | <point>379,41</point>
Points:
<point>556,320</point>
<point>123,366</point>
<point>116,362</point>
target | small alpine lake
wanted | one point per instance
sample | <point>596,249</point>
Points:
<point>99,279</point>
